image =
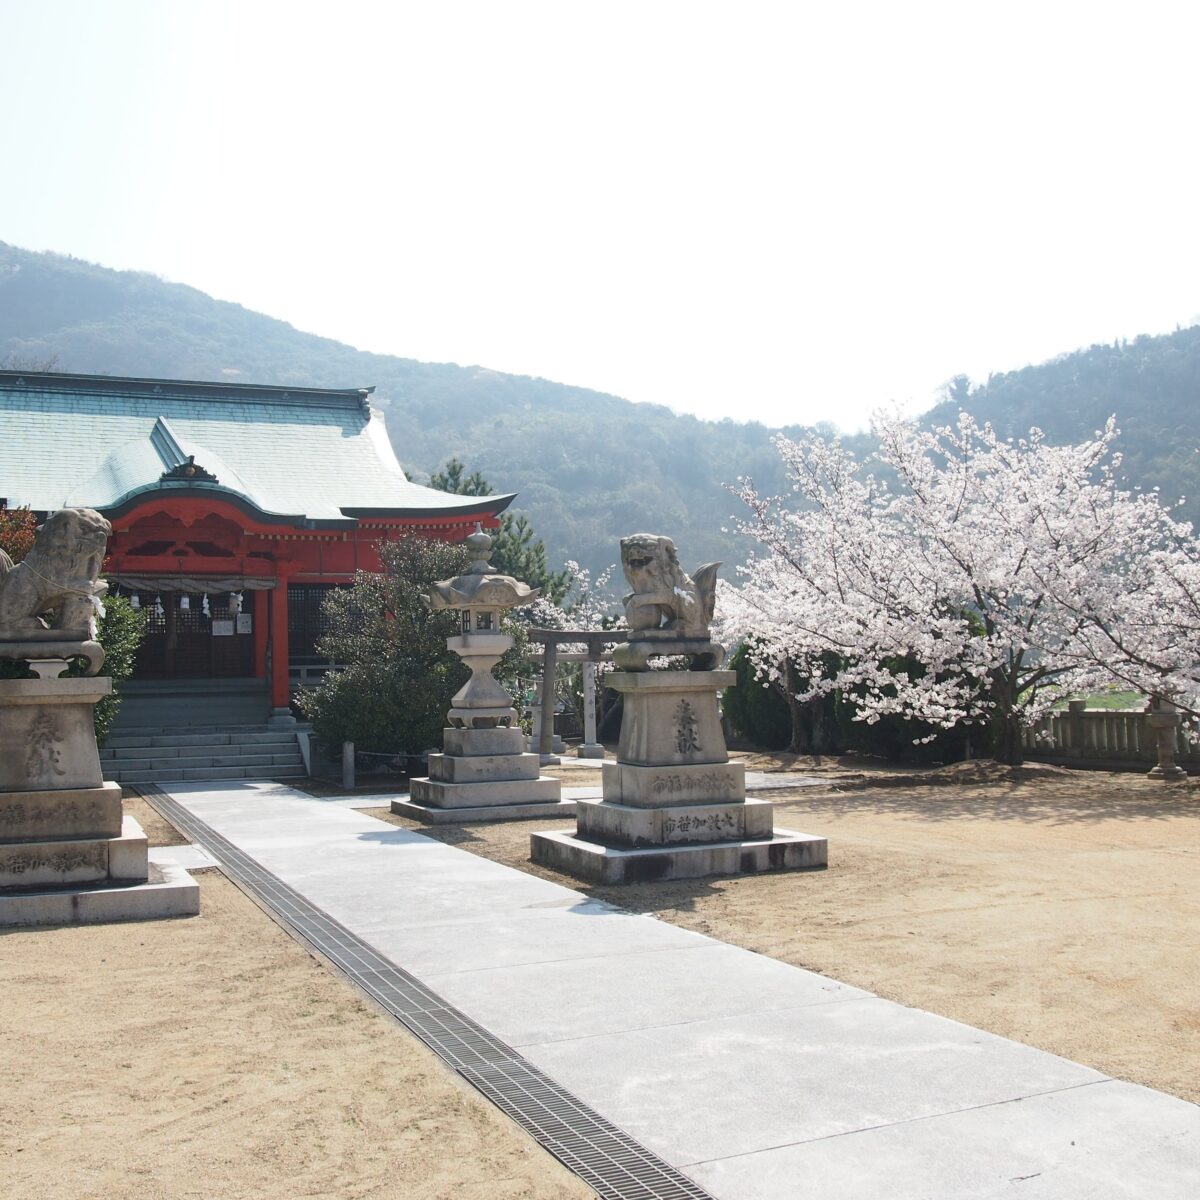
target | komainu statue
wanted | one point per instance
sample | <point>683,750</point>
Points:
<point>49,602</point>
<point>668,611</point>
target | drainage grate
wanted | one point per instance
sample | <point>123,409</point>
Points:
<point>603,1156</point>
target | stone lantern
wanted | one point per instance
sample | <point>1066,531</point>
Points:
<point>1164,720</point>
<point>481,595</point>
<point>483,772</point>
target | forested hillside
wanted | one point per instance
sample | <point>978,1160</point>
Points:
<point>589,467</point>
<point>1151,385</point>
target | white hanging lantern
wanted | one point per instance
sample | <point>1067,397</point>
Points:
<point>158,606</point>
<point>135,601</point>
<point>185,602</point>
<point>235,603</point>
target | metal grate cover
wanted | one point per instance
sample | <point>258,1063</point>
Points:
<point>603,1156</point>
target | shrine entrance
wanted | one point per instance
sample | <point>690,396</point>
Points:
<point>197,636</point>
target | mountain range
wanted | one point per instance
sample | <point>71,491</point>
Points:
<point>589,467</point>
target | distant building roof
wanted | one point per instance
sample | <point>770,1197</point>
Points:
<point>306,456</point>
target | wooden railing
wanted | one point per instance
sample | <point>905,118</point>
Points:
<point>1102,735</point>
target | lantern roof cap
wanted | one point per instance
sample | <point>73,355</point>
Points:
<point>481,585</point>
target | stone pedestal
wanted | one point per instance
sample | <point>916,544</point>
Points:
<point>483,775</point>
<point>67,852</point>
<point>674,806</point>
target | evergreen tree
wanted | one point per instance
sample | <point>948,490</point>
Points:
<point>516,549</point>
<point>397,677</point>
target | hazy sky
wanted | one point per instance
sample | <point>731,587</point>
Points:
<point>791,212</point>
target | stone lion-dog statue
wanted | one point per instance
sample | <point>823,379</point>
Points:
<point>49,602</point>
<point>666,605</point>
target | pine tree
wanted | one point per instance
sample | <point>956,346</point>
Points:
<point>516,549</point>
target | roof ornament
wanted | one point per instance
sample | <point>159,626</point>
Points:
<point>188,471</point>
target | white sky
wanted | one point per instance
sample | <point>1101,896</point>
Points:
<point>790,212</point>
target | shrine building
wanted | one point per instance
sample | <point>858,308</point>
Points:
<point>235,508</point>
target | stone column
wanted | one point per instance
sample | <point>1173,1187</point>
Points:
<point>546,753</point>
<point>590,747</point>
<point>281,711</point>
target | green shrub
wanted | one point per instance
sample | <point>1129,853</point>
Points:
<point>755,709</point>
<point>120,632</point>
<point>397,677</point>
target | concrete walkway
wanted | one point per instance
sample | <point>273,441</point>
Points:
<point>757,1079</point>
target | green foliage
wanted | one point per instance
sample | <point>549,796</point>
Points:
<point>120,632</point>
<point>515,549</point>
<point>756,709</point>
<point>453,478</point>
<point>398,678</point>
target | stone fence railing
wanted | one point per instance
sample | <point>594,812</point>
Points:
<point>1102,736</point>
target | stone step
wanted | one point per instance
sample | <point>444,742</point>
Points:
<point>167,748</point>
<point>191,761</point>
<point>151,738</point>
<point>177,775</point>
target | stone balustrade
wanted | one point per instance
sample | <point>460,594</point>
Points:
<point>1102,737</point>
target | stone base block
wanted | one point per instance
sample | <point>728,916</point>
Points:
<point>129,855</point>
<point>671,717</point>
<point>542,811</point>
<point>621,825</point>
<point>786,851</point>
<point>47,739</point>
<point>1169,773</point>
<point>476,768</point>
<point>169,892</point>
<point>589,750</point>
<point>470,743</point>
<point>433,793</point>
<point>661,787</point>
<point>63,862</point>
<point>75,813</point>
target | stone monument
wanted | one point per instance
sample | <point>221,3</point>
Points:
<point>674,806</point>
<point>484,772</point>
<point>68,853</point>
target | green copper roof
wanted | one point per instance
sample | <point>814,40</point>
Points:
<point>303,454</point>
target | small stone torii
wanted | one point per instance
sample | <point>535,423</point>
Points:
<point>596,642</point>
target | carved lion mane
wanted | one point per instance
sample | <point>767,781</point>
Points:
<point>57,577</point>
<point>664,595</point>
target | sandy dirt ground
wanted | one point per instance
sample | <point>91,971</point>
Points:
<point>212,1056</point>
<point>1058,908</point>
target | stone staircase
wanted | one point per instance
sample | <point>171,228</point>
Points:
<point>174,754</point>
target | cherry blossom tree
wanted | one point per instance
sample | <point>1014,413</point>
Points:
<point>997,567</point>
<point>1140,620</point>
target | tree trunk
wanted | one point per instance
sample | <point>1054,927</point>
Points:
<point>800,743</point>
<point>1004,728</point>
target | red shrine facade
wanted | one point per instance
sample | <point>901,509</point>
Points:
<point>235,509</point>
